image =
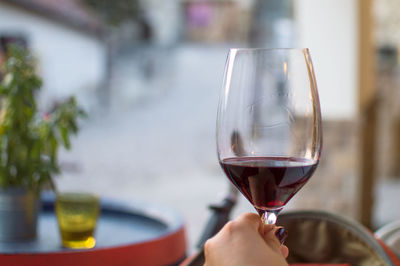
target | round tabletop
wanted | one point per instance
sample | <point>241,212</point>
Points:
<point>136,233</point>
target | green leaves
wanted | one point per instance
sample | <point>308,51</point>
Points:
<point>29,142</point>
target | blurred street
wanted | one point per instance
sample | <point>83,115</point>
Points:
<point>160,151</point>
<point>158,145</point>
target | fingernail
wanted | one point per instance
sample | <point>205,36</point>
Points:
<point>281,234</point>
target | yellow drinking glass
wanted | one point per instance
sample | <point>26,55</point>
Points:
<point>77,215</point>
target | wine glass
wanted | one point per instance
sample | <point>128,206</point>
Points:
<point>269,134</point>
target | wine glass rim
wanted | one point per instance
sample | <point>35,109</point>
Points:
<point>303,49</point>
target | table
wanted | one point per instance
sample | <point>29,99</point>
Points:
<point>137,233</point>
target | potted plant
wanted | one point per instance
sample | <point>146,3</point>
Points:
<point>28,144</point>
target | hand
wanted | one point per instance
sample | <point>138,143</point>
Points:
<point>240,242</point>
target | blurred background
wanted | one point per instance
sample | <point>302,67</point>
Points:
<point>148,73</point>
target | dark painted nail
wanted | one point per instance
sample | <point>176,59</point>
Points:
<point>281,234</point>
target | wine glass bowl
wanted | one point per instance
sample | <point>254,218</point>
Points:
<point>269,135</point>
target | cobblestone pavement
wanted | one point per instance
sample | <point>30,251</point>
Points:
<point>160,149</point>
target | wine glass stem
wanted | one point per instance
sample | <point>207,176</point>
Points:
<point>269,217</point>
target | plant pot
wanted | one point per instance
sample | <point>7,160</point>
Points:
<point>19,209</point>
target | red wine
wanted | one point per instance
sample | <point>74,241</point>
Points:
<point>268,182</point>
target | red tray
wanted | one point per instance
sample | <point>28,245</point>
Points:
<point>126,234</point>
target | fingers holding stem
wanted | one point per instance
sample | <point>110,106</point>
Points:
<point>275,237</point>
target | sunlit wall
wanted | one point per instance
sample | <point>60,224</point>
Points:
<point>329,29</point>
